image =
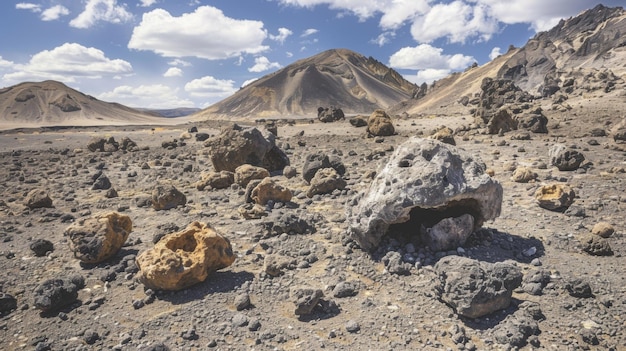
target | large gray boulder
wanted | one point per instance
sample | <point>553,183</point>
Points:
<point>425,182</point>
<point>475,289</point>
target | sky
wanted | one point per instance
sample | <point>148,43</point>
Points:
<point>192,53</point>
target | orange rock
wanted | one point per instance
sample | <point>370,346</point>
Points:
<point>99,238</point>
<point>268,189</point>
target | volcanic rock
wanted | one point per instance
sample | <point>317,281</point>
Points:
<point>358,121</point>
<point>38,198</point>
<point>7,303</point>
<point>185,258</point>
<point>475,289</point>
<point>317,161</point>
<point>330,114</point>
<point>555,197</point>
<point>449,233</point>
<point>523,175</point>
<point>216,180</point>
<point>379,124</point>
<point>564,158</point>
<point>516,329</point>
<point>325,181</point>
<point>534,121</point>
<point>41,247</point>
<point>100,237</point>
<point>445,135</point>
<point>603,229</point>
<point>165,197</point>
<point>305,299</point>
<point>268,189</point>
<point>54,294</point>
<point>236,146</point>
<point>596,246</point>
<point>245,173</point>
<point>423,182</point>
<point>501,122</point>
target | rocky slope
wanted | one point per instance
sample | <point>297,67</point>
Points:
<point>337,77</point>
<point>52,103</point>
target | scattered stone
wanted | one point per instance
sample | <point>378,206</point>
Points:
<point>275,265</point>
<point>90,337</point>
<point>352,326</point>
<point>185,258</point>
<point>245,173</point>
<point>252,211</point>
<point>305,299</point>
<point>424,182</point>
<point>564,158</point>
<point>290,172</point>
<point>330,114</point>
<point>290,223</point>
<point>475,289</point>
<point>111,193</point>
<point>394,264</point>
<point>358,121</point>
<point>523,175</point>
<point>38,198</point>
<point>346,289</point>
<point>101,183</point>
<point>315,162</point>
<point>596,246</point>
<point>449,233</point>
<point>54,294</point>
<point>269,189</point>
<point>501,122</point>
<point>8,303</point>
<point>242,302</point>
<point>445,135</point>
<point>535,282</point>
<point>555,197</point>
<point>535,121</point>
<point>100,237</point>
<point>165,197</point>
<point>325,181</point>
<point>239,320</point>
<point>603,229</point>
<point>216,180</point>
<point>236,146</point>
<point>579,288</point>
<point>41,247</point>
<point>379,124</point>
<point>516,329</point>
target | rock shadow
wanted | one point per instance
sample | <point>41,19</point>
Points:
<point>492,245</point>
<point>217,282</point>
<point>491,320</point>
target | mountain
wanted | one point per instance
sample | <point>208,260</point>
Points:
<point>338,77</point>
<point>573,51</point>
<point>51,103</point>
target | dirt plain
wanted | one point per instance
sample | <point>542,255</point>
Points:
<point>385,312</point>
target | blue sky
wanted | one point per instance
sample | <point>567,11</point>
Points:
<point>192,53</point>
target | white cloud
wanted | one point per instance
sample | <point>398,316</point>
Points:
<point>147,3</point>
<point>282,35</point>
<point>210,87</point>
<point>247,82</point>
<point>5,64</point>
<point>28,6</point>
<point>205,33</point>
<point>101,10</point>
<point>147,96</point>
<point>262,64</point>
<point>383,38</point>
<point>363,9</point>
<point>289,54</point>
<point>495,52</point>
<point>179,62</point>
<point>425,56</point>
<point>308,32</point>
<point>67,63</point>
<point>396,13</point>
<point>428,75</point>
<point>173,72</point>
<point>54,13</point>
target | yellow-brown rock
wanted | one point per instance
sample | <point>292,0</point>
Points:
<point>185,258</point>
<point>267,190</point>
<point>379,124</point>
<point>100,237</point>
<point>603,229</point>
<point>555,197</point>
<point>245,173</point>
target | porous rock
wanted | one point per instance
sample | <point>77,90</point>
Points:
<point>564,158</point>
<point>315,162</point>
<point>325,181</point>
<point>305,299</point>
<point>185,258</point>
<point>165,197</point>
<point>41,247</point>
<point>516,329</point>
<point>424,181</point>
<point>555,197</point>
<point>236,146</point>
<point>54,294</point>
<point>449,233</point>
<point>38,198</point>
<point>445,135</point>
<point>7,303</point>
<point>100,237</point>
<point>596,246</point>
<point>475,289</point>
<point>268,189</point>
<point>523,175</point>
<point>245,173</point>
<point>216,180</point>
<point>379,124</point>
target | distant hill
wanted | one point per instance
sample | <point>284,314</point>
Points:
<point>51,103</point>
<point>574,48</point>
<point>338,77</point>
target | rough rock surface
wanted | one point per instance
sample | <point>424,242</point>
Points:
<point>269,189</point>
<point>100,237</point>
<point>165,197</point>
<point>501,122</point>
<point>445,135</point>
<point>315,162</point>
<point>325,181</point>
<point>185,258</point>
<point>236,146</point>
<point>475,289</point>
<point>379,124</point>
<point>216,180</point>
<point>424,181</point>
<point>523,175</point>
<point>245,173</point>
<point>564,158</point>
<point>54,294</point>
<point>555,197</point>
<point>38,198</point>
<point>449,233</point>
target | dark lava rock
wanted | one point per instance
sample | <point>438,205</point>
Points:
<point>564,158</point>
<point>7,303</point>
<point>290,223</point>
<point>54,294</point>
<point>579,288</point>
<point>41,247</point>
<point>596,246</point>
<point>394,264</point>
<point>306,299</point>
<point>516,329</point>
